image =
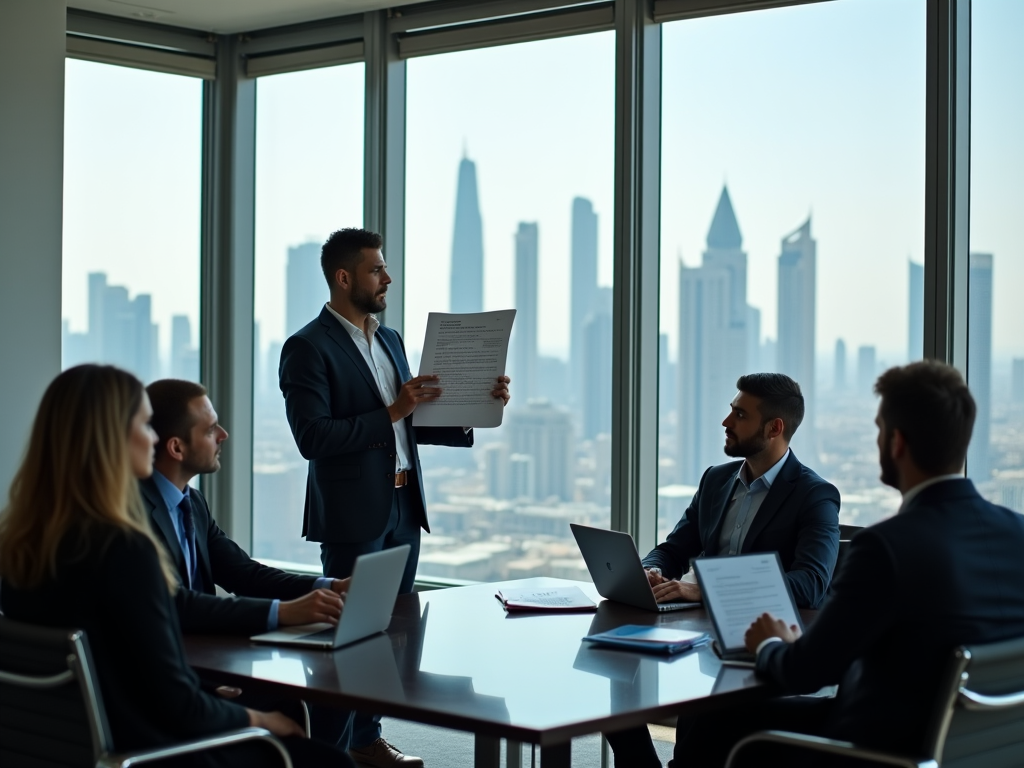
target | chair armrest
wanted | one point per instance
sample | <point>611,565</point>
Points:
<point>819,744</point>
<point>127,759</point>
<point>979,701</point>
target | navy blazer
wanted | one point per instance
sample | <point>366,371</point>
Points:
<point>799,519</point>
<point>222,562</point>
<point>341,425</point>
<point>947,570</point>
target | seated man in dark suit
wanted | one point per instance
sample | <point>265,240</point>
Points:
<point>768,502</point>
<point>189,444</point>
<point>946,570</point>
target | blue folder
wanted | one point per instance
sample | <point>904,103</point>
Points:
<point>651,639</point>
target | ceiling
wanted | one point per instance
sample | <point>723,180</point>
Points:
<point>227,16</point>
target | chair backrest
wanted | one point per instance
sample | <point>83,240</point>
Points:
<point>51,712</point>
<point>979,715</point>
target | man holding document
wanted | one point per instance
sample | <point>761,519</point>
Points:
<point>945,571</point>
<point>349,397</point>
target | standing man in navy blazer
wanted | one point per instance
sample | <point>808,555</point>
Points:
<point>349,397</point>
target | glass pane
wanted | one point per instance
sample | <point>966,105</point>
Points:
<point>509,204</point>
<point>132,176</point>
<point>309,183</point>
<point>995,359</point>
<point>792,211</point>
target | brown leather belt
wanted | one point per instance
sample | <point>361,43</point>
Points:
<point>401,479</point>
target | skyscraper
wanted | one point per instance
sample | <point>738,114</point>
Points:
<point>545,435</point>
<point>597,367</point>
<point>866,370</point>
<point>524,332</point>
<point>584,282</point>
<point>839,379</point>
<point>306,289</point>
<point>121,331</point>
<point>184,357</point>
<point>1017,381</point>
<point>797,322</point>
<point>713,341</point>
<point>467,279</point>
<point>979,362</point>
<point>915,320</point>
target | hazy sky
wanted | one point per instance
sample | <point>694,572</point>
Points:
<point>816,108</point>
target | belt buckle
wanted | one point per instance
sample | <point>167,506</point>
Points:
<point>401,479</point>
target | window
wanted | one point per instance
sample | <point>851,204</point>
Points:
<point>792,230</point>
<point>995,351</point>
<point>132,165</point>
<point>309,183</point>
<point>509,186</point>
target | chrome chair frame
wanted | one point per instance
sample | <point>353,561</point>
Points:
<point>955,694</point>
<point>80,668</point>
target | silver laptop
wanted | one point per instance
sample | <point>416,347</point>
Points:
<point>368,605</point>
<point>615,567</point>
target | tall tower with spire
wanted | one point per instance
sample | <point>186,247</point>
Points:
<point>467,279</point>
<point>713,342</point>
<point>797,315</point>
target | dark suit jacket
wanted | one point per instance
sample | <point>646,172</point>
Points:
<point>948,570</point>
<point>799,519</point>
<point>224,563</point>
<point>116,592</point>
<point>341,425</point>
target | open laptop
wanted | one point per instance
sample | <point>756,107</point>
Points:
<point>739,588</point>
<point>615,567</point>
<point>368,605</point>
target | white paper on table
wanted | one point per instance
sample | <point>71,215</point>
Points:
<point>740,588</point>
<point>468,351</point>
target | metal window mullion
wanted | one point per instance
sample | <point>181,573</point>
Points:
<point>947,181</point>
<point>226,288</point>
<point>636,269</point>
<point>384,154</point>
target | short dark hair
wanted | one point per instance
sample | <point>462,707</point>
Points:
<point>171,417</point>
<point>931,406</point>
<point>780,399</point>
<point>344,250</point>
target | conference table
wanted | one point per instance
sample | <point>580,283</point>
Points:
<point>454,658</point>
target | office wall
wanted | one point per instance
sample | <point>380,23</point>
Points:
<point>31,190</point>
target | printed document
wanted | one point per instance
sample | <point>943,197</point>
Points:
<point>552,599</point>
<point>739,589</point>
<point>468,352</point>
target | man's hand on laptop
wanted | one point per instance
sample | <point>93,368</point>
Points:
<point>766,626</point>
<point>340,586</point>
<point>654,576</point>
<point>320,605</point>
<point>677,592</point>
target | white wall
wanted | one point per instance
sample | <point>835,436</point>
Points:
<point>31,191</point>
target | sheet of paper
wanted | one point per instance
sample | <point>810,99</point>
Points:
<point>739,589</point>
<point>468,352</point>
<point>557,597</point>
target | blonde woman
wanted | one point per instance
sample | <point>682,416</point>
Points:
<point>76,551</point>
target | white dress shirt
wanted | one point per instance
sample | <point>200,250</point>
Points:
<point>385,375</point>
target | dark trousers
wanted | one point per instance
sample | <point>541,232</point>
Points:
<point>705,741</point>
<point>347,729</point>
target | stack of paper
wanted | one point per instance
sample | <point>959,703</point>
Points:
<point>557,599</point>
<point>655,639</point>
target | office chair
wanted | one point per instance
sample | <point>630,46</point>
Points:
<point>51,710</point>
<point>977,720</point>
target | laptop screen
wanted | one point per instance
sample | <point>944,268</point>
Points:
<point>739,588</point>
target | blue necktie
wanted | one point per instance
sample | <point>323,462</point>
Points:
<point>188,544</point>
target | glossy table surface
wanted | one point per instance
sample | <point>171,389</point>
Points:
<point>454,658</point>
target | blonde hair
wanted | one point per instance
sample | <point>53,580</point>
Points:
<point>76,475</point>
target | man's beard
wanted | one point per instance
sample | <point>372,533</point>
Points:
<point>890,473</point>
<point>752,446</point>
<point>367,302</point>
<point>194,468</point>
